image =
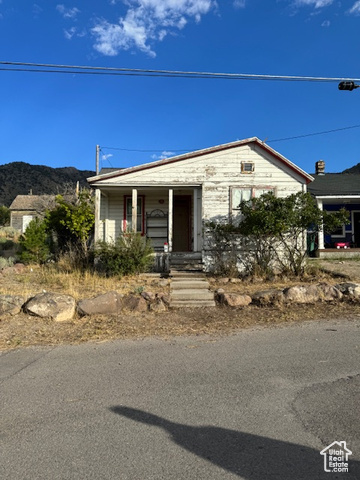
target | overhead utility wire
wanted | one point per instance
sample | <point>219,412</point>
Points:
<point>267,141</point>
<point>89,70</point>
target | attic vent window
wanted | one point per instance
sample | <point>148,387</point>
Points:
<point>247,167</point>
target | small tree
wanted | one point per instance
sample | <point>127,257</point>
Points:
<point>34,243</point>
<point>272,231</point>
<point>73,222</point>
<point>4,216</point>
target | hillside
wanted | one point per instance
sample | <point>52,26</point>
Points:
<point>354,169</point>
<point>18,178</point>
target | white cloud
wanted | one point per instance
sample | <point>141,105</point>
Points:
<point>163,155</point>
<point>313,3</point>
<point>67,12</point>
<point>326,23</point>
<point>239,3</point>
<point>145,22</point>
<point>107,156</point>
<point>73,31</point>
<point>355,9</point>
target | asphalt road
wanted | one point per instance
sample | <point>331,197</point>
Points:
<point>257,405</point>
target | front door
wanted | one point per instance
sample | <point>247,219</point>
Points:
<point>181,223</point>
<point>356,227</point>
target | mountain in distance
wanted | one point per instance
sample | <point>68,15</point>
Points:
<point>354,169</point>
<point>20,178</point>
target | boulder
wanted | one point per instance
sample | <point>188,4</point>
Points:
<point>349,289</point>
<point>107,304</point>
<point>51,305</point>
<point>271,296</point>
<point>134,303</point>
<point>11,304</point>
<point>312,293</point>
<point>234,299</point>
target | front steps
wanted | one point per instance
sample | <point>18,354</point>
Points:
<point>190,290</point>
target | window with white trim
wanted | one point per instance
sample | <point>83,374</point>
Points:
<point>240,194</point>
<point>140,214</point>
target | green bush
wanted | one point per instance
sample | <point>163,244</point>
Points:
<point>130,254</point>
<point>35,243</point>
<point>6,262</point>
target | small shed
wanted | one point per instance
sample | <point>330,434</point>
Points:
<point>26,207</point>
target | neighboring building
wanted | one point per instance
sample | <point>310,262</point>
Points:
<point>26,207</point>
<point>332,192</point>
<point>170,200</point>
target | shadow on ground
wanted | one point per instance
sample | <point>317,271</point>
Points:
<point>249,456</point>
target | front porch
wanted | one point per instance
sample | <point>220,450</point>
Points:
<point>170,217</point>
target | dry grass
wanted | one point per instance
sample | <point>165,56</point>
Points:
<point>23,330</point>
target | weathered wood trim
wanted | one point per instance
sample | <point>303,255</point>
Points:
<point>171,214</point>
<point>97,214</point>
<point>134,210</point>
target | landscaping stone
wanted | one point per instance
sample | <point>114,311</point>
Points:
<point>149,296</point>
<point>157,306</point>
<point>134,304</point>
<point>268,297</point>
<point>51,305</point>
<point>349,289</point>
<point>165,299</point>
<point>312,293</point>
<point>107,304</point>
<point>11,304</point>
<point>234,299</point>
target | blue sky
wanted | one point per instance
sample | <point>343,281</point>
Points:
<point>57,119</point>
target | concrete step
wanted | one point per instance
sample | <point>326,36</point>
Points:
<point>186,274</point>
<point>190,294</point>
<point>183,283</point>
<point>192,303</point>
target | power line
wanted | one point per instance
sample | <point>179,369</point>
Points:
<point>91,70</point>
<point>267,141</point>
<point>313,134</point>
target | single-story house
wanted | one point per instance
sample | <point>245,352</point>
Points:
<point>26,207</point>
<point>170,200</point>
<point>333,191</point>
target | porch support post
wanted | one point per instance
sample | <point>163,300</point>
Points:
<point>170,227</point>
<point>321,229</point>
<point>134,210</point>
<point>97,214</point>
<point>195,216</point>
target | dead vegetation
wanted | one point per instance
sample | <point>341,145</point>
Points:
<point>24,330</point>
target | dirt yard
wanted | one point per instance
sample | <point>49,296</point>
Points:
<point>24,330</point>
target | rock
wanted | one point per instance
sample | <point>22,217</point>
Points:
<point>235,280</point>
<point>51,305</point>
<point>349,289</point>
<point>149,296</point>
<point>234,299</point>
<point>312,293</point>
<point>134,304</point>
<point>272,296</point>
<point>19,267</point>
<point>329,293</point>
<point>165,299</point>
<point>11,304</point>
<point>109,303</point>
<point>157,306</point>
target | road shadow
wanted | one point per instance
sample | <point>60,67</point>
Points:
<point>249,456</point>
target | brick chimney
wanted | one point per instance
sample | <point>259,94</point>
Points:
<point>320,167</point>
